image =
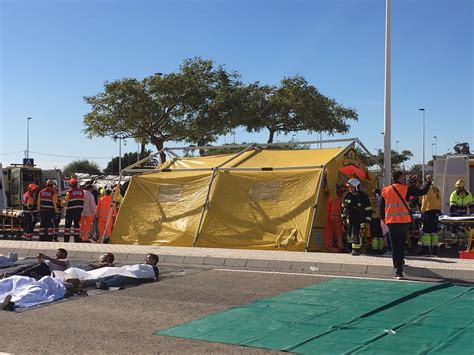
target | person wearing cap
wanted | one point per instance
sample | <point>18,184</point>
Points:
<point>356,213</point>
<point>395,213</point>
<point>461,200</point>
<point>28,205</point>
<point>47,205</point>
<point>105,207</point>
<point>74,203</point>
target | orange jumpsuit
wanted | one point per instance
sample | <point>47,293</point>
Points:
<point>333,229</point>
<point>102,213</point>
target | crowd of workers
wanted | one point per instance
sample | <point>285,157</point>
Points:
<point>83,208</point>
<point>385,219</point>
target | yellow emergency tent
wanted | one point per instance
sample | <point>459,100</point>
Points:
<point>256,199</point>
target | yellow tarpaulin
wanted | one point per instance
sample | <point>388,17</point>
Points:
<point>161,209</point>
<point>260,210</point>
<point>250,209</point>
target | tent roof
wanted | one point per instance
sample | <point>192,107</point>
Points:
<point>258,159</point>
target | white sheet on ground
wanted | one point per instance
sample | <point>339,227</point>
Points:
<point>139,271</point>
<point>27,292</point>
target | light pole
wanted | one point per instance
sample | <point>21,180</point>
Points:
<point>28,137</point>
<point>387,148</point>
<point>436,145</point>
<point>423,144</point>
<point>396,146</point>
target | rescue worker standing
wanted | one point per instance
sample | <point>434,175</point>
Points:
<point>29,216</point>
<point>88,212</point>
<point>376,233</point>
<point>395,213</point>
<point>356,212</point>
<point>74,203</point>
<point>58,215</point>
<point>460,200</point>
<point>333,230</point>
<point>47,205</point>
<point>430,209</point>
<point>102,213</point>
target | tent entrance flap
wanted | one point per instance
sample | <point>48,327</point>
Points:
<point>260,209</point>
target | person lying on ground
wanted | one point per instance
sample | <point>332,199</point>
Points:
<point>8,260</point>
<point>106,259</point>
<point>127,275</point>
<point>45,265</point>
<point>25,292</point>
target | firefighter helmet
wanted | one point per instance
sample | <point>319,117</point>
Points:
<point>50,182</point>
<point>32,187</point>
<point>354,183</point>
<point>459,183</point>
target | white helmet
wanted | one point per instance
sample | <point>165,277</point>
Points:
<point>354,182</point>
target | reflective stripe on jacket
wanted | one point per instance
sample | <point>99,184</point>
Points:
<point>47,200</point>
<point>459,201</point>
<point>28,201</point>
<point>74,199</point>
<point>395,210</point>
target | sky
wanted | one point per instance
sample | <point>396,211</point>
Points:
<point>53,53</point>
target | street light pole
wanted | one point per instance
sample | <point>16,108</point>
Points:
<point>28,137</point>
<point>436,145</point>
<point>387,161</point>
<point>120,155</point>
<point>423,144</point>
<point>396,146</point>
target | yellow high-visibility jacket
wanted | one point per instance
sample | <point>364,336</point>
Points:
<point>432,200</point>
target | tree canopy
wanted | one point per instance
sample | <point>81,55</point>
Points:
<point>398,158</point>
<point>295,106</point>
<point>202,101</point>
<point>81,166</point>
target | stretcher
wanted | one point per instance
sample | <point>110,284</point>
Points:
<point>464,222</point>
<point>11,224</point>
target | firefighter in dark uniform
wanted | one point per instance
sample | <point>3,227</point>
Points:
<point>28,204</point>
<point>47,205</point>
<point>74,203</point>
<point>356,214</point>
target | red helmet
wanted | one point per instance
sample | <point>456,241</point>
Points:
<point>32,187</point>
<point>73,181</point>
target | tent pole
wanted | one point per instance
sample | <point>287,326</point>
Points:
<point>369,153</point>
<point>151,156</point>
<point>214,174</point>
<point>231,146</point>
<point>205,206</point>
<point>315,206</point>
<point>170,151</point>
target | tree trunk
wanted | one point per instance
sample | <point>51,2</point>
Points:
<point>271,135</point>
<point>142,150</point>
<point>159,144</point>
<point>201,143</point>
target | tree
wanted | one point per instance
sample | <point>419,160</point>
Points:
<point>398,158</point>
<point>81,166</point>
<point>294,106</point>
<point>195,105</point>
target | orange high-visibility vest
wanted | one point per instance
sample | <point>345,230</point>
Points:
<point>395,210</point>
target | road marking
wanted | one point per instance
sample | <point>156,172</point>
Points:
<point>322,275</point>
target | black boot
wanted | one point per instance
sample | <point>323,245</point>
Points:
<point>434,251</point>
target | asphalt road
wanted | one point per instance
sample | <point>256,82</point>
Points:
<point>124,321</point>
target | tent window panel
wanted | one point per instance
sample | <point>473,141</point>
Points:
<point>266,191</point>
<point>170,193</point>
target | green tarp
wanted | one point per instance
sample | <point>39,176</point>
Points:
<point>348,316</point>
